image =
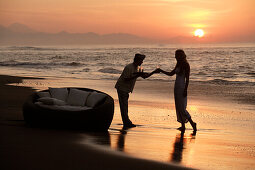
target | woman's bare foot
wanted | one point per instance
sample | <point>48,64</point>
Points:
<point>194,126</point>
<point>181,128</point>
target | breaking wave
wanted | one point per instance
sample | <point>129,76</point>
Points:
<point>110,70</point>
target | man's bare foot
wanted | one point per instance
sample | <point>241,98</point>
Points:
<point>130,125</point>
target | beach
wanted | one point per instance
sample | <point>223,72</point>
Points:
<point>224,140</point>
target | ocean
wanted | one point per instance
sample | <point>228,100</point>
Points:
<point>209,63</point>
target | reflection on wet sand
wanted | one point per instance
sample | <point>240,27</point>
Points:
<point>121,140</point>
<point>179,145</point>
<point>99,138</point>
<point>104,139</point>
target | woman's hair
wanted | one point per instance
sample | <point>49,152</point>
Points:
<point>181,53</point>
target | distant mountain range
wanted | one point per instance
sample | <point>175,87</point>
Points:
<point>19,34</point>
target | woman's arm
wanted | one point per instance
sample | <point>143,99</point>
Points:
<point>187,73</point>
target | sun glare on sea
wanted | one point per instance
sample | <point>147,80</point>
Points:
<point>199,33</point>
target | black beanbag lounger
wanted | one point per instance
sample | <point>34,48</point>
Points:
<point>98,118</point>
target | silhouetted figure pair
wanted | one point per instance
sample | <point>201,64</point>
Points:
<point>126,83</point>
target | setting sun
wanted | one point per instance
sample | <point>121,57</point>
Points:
<point>199,33</point>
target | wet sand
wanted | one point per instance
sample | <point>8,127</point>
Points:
<point>224,140</point>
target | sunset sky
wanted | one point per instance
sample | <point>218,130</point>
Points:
<point>158,19</point>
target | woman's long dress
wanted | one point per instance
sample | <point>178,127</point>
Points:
<point>180,100</point>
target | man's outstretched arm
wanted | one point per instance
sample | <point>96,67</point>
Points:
<point>146,75</point>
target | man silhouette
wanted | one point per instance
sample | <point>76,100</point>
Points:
<point>125,85</point>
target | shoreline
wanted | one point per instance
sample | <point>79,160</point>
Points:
<point>234,93</point>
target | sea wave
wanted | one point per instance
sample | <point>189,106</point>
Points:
<point>110,70</point>
<point>252,74</point>
<point>73,64</point>
<point>14,63</point>
<point>29,48</point>
<point>86,70</point>
<point>201,73</point>
<point>210,52</point>
<point>226,82</point>
<point>59,57</point>
<point>239,51</point>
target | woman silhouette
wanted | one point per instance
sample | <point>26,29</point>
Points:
<point>182,71</point>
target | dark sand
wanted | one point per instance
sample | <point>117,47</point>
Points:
<point>23,147</point>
